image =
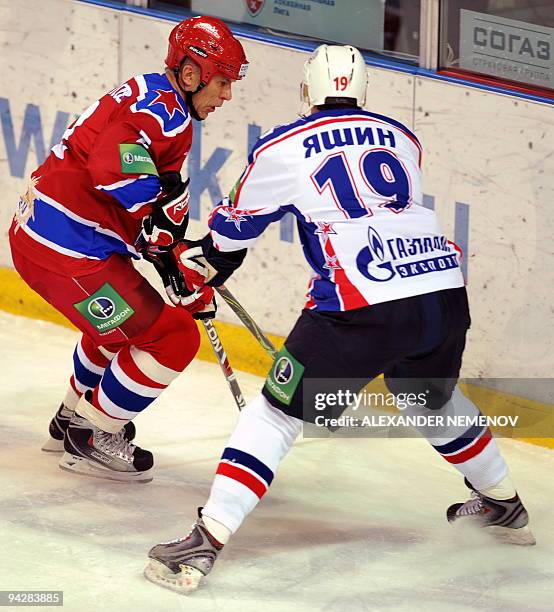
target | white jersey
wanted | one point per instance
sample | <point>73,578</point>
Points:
<point>352,179</point>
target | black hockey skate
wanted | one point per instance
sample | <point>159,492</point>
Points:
<point>506,519</point>
<point>180,565</point>
<point>59,424</point>
<point>94,452</point>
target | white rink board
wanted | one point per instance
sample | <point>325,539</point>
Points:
<point>60,63</point>
<point>476,152</point>
<point>494,153</point>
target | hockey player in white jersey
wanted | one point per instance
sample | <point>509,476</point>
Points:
<point>386,296</point>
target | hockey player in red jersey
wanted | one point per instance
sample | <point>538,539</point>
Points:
<point>386,296</point>
<point>108,193</point>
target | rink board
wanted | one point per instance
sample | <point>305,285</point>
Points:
<point>487,171</point>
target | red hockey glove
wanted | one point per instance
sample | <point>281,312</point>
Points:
<point>201,304</point>
<point>168,221</point>
<point>195,269</point>
<point>200,301</point>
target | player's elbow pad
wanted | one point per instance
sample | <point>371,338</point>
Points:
<point>224,262</point>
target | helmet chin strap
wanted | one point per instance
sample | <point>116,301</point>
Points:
<point>190,104</point>
<point>188,94</point>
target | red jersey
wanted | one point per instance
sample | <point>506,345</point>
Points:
<point>88,198</point>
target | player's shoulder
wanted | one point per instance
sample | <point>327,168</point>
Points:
<point>277,134</point>
<point>156,98</point>
<point>394,123</point>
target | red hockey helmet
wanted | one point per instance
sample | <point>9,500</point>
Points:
<point>210,44</point>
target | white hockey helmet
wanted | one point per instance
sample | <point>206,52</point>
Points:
<point>334,74</point>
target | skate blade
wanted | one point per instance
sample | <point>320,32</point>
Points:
<point>184,582</point>
<point>85,467</point>
<point>522,536</point>
<point>52,446</point>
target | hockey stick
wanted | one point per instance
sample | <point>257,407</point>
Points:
<point>223,361</point>
<point>247,320</point>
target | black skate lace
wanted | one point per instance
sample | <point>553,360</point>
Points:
<point>114,444</point>
<point>471,506</point>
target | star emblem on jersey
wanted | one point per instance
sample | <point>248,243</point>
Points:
<point>235,217</point>
<point>169,100</point>
<point>331,263</point>
<point>324,229</point>
<point>158,99</point>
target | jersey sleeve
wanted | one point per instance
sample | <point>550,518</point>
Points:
<point>259,198</point>
<point>123,164</point>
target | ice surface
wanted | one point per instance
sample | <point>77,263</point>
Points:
<point>348,525</point>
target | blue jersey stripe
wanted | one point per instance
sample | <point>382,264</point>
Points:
<point>242,226</point>
<point>464,440</point>
<point>324,293</point>
<point>233,455</point>
<point>56,227</point>
<point>137,192</point>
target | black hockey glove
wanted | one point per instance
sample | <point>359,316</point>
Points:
<point>200,302</point>
<point>168,221</point>
<point>203,260</point>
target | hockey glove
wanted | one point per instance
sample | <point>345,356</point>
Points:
<point>168,221</point>
<point>200,302</point>
<point>201,262</point>
<point>194,267</point>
